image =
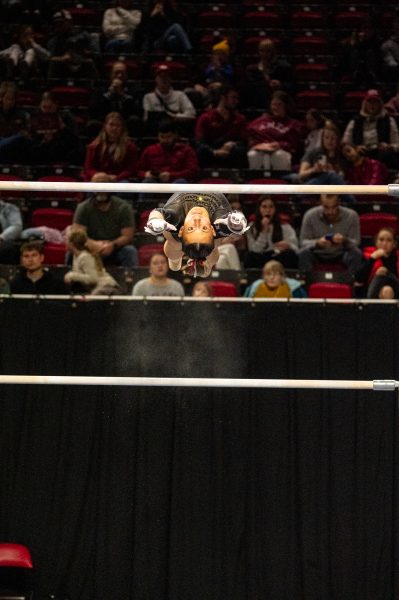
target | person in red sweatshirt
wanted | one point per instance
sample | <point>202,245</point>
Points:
<point>361,169</point>
<point>275,137</point>
<point>169,160</point>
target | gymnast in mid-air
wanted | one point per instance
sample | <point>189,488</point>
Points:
<point>194,225</point>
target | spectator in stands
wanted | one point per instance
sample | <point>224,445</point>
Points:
<point>359,56</point>
<point>374,131</point>
<point>269,74</point>
<point>274,284</point>
<point>392,106</point>
<point>119,27</point>
<point>379,273</point>
<point>201,289</point>
<point>53,132</point>
<point>163,30</point>
<point>109,224</point>
<point>25,56</point>
<point>73,51</point>
<point>314,123</point>
<point>164,101</point>
<point>112,152</point>
<point>219,70</point>
<point>169,160</point>
<point>269,238</point>
<point>116,98</point>
<point>324,165</point>
<point>390,52</point>
<point>275,137</point>
<point>88,274</point>
<point>330,233</point>
<point>15,143</point>
<point>11,227</point>
<point>34,278</point>
<point>158,283</point>
<point>362,170</point>
<point>220,133</point>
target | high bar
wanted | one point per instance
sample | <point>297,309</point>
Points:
<point>329,384</point>
<point>162,188</point>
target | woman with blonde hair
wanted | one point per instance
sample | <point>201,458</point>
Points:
<point>87,267</point>
<point>112,151</point>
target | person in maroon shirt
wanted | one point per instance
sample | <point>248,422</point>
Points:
<point>362,170</point>
<point>169,160</point>
<point>220,133</point>
<point>112,152</point>
<point>275,137</point>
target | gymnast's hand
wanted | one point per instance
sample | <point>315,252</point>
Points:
<point>157,226</point>
<point>235,221</point>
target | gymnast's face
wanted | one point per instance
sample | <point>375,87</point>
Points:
<point>197,228</point>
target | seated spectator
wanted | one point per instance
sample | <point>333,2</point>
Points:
<point>112,152</point>
<point>164,101</point>
<point>119,27</point>
<point>269,74</point>
<point>314,122</point>
<point>11,227</point>
<point>53,132</point>
<point>158,283</point>
<point>324,165</point>
<point>201,289</point>
<point>390,52</point>
<point>88,274</point>
<point>15,143</point>
<point>162,29</point>
<point>219,70</point>
<point>220,133</point>
<point>379,273</point>
<point>362,170</point>
<point>169,160</point>
<point>73,51</point>
<point>373,131</point>
<point>359,56</point>
<point>34,278</point>
<point>117,97</point>
<point>274,284</point>
<point>109,224</point>
<point>269,238</point>
<point>330,233</point>
<point>275,137</point>
<point>25,56</point>
<point>392,105</point>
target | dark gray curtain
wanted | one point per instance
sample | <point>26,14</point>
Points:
<point>170,494</point>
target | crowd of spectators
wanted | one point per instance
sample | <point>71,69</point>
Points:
<point>142,121</point>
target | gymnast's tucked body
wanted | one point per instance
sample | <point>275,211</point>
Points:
<point>195,225</point>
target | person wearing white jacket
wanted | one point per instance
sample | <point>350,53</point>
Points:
<point>119,26</point>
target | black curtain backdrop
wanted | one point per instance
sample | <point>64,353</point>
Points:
<point>195,494</point>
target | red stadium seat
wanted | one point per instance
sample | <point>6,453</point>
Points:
<point>310,44</point>
<point>330,290</point>
<point>261,19</point>
<point>320,99</point>
<point>72,196</point>
<point>15,555</point>
<point>371,223</point>
<point>71,95</point>
<point>307,19</point>
<point>223,289</point>
<point>312,71</point>
<point>350,19</point>
<point>253,198</point>
<point>57,218</point>
<point>14,193</point>
<point>54,254</point>
<point>353,100</point>
<point>146,251</point>
<point>216,17</point>
<point>83,16</point>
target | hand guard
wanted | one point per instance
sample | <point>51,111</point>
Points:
<point>235,222</point>
<point>157,226</point>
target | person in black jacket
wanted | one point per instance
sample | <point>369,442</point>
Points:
<point>33,278</point>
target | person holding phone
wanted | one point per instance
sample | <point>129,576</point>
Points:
<point>330,233</point>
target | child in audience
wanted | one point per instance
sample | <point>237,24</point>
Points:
<point>380,271</point>
<point>201,289</point>
<point>87,267</point>
<point>274,283</point>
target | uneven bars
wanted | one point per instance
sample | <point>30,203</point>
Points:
<point>162,188</point>
<point>376,385</point>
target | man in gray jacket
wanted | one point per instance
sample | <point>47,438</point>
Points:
<point>330,233</point>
